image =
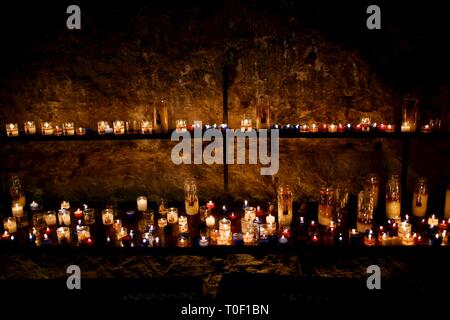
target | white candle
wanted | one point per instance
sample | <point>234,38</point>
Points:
<point>203,242</point>
<point>270,219</point>
<point>432,221</point>
<point>69,129</point>
<point>107,217</point>
<point>47,128</point>
<point>50,218</point>
<point>30,127</point>
<point>64,217</point>
<point>142,203</point>
<point>182,224</point>
<point>17,210</point>
<point>406,127</point>
<point>210,221</point>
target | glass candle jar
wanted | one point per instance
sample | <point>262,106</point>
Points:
<point>364,217</point>
<point>119,127</point>
<point>83,233</point>
<point>326,206</point>
<point>68,128</point>
<point>160,116</point>
<point>246,124</point>
<point>141,203</point>
<point>225,227</point>
<point>183,224</point>
<point>101,127</point>
<point>410,114</point>
<point>10,224</point>
<point>47,128</point>
<point>146,127</point>
<point>393,197</point>
<point>12,129</point>
<point>190,196</point>
<point>133,126</point>
<point>63,235</point>
<point>64,217</point>
<point>89,216</point>
<point>420,198</point>
<point>38,221</point>
<point>181,125</point>
<point>107,217</point>
<point>50,218</point>
<point>182,242</point>
<point>29,127</point>
<point>262,113</point>
<point>284,206</point>
<point>210,221</point>
<point>372,189</point>
<point>57,130</point>
<point>249,213</point>
<point>80,131</point>
<point>447,203</point>
<point>172,215</point>
<point>162,222</point>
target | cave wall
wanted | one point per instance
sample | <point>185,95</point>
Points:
<point>311,64</point>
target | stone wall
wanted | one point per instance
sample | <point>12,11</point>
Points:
<point>129,54</point>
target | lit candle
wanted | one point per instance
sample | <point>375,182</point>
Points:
<point>304,128</point>
<point>17,210</point>
<point>340,128</point>
<point>432,221</point>
<point>246,125</point>
<point>78,214</point>
<point>349,127</point>
<point>210,221</point>
<point>6,235</point>
<point>172,215</point>
<point>225,227</point>
<point>65,205</point>
<point>12,129</point>
<point>142,203</point>
<point>314,128</point>
<point>64,217</point>
<point>369,239</point>
<point>29,127</point>
<point>390,128</point>
<point>119,127</point>
<point>182,224</point>
<point>282,240</point>
<point>50,218</point>
<point>68,128</point>
<point>81,131</point>
<point>357,128</point>
<point>63,235</point>
<point>443,225</point>
<point>381,127</point>
<point>180,125</point>
<point>232,215</point>
<point>248,238</point>
<point>182,242</point>
<point>123,232</point>
<point>10,224</point>
<point>58,131</point>
<point>426,128</point>
<point>210,205</point>
<point>408,240</point>
<point>146,127</point>
<point>323,128</point>
<point>259,212</point>
<point>406,127</point>
<point>47,128</point>
<point>203,242</point>
<point>107,217</point>
<point>117,225</point>
<point>270,219</point>
<point>332,128</point>
<point>162,222</point>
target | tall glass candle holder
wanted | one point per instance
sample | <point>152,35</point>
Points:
<point>365,212</point>
<point>16,190</point>
<point>132,126</point>
<point>68,128</point>
<point>284,206</point>
<point>38,221</point>
<point>119,127</point>
<point>393,197</point>
<point>410,114</point>
<point>225,227</point>
<point>190,196</point>
<point>172,215</point>
<point>372,189</point>
<point>160,116</point>
<point>12,129</point>
<point>326,205</point>
<point>420,198</point>
<point>29,127</point>
<point>249,213</point>
<point>262,113</point>
<point>47,128</point>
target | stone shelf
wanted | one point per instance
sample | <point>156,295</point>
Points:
<point>284,133</point>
